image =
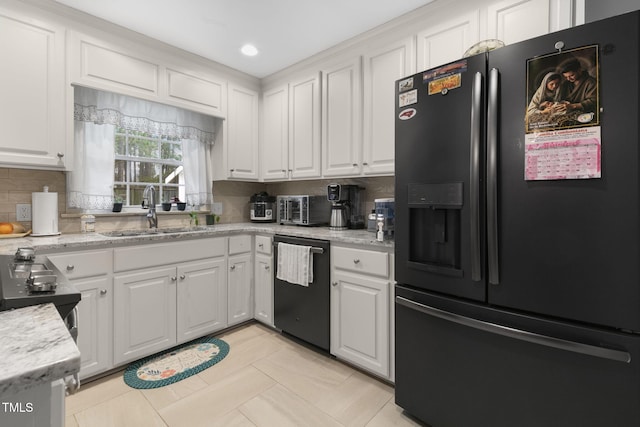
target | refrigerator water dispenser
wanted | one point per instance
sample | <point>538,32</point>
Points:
<point>434,216</point>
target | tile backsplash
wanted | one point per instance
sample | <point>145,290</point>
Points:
<point>16,186</point>
<point>235,195</point>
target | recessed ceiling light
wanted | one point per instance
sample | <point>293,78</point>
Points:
<point>249,50</point>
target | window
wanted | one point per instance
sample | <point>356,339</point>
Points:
<point>142,159</point>
<point>123,144</point>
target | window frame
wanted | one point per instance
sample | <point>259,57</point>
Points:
<point>131,169</point>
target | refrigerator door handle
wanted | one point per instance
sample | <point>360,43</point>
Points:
<point>492,175</point>
<point>474,176</point>
<point>547,341</point>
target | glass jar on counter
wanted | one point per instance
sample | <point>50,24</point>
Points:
<point>87,223</point>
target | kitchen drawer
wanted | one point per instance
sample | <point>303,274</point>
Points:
<point>75,265</point>
<point>263,245</point>
<point>361,261</point>
<point>239,244</point>
<point>163,254</point>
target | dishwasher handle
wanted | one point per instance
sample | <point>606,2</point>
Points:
<point>314,249</point>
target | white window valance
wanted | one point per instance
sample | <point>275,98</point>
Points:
<point>130,113</point>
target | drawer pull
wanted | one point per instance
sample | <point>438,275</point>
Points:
<point>182,277</point>
<point>103,291</point>
<point>174,278</point>
<point>335,283</point>
<point>233,267</point>
<point>356,261</point>
<point>266,267</point>
<point>70,267</point>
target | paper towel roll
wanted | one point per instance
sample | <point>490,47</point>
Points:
<point>44,213</point>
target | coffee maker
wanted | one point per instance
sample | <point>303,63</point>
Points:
<point>346,206</point>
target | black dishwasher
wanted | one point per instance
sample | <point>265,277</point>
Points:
<point>301,311</point>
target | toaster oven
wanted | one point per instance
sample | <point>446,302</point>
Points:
<point>303,210</point>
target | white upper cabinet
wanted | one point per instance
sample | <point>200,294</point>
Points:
<point>304,127</point>
<point>118,66</point>
<point>275,134</point>
<point>342,119</point>
<point>291,130</point>
<point>447,42</point>
<point>515,20</point>
<point>98,64</point>
<point>32,86</point>
<point>191,89</point>
<point>242,133</point>
<point>382,67</point>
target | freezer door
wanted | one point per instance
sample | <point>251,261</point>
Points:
<point>569,248</point>
<point>439,194</point>
<point>473,366</point>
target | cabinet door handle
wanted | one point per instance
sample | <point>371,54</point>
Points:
<point>70,267</point>
<point>182,277</point>
<point>356,261</point>
<point>174,278</point>
<point>233,267</point>
<point>103,291</point>
<point>335,283</point>
<point>266,267</point>
<point>355,164</point>
<point>60,155</point>
<point>261,245</point>
<point>365,164</point>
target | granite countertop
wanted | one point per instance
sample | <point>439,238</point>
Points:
<point>35,348</point>
<point>97,239</point>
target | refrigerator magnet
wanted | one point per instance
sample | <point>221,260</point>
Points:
<point>407,114</point>
<point>408,98</point>
<point>405,85</point>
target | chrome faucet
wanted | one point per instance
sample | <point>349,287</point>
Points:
<point>149,196</point>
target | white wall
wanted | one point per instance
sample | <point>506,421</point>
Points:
<point>599,9</point>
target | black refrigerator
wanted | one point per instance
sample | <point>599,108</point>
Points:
<point>518,234</point>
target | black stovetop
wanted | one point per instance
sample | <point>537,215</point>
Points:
<point>15,293</point>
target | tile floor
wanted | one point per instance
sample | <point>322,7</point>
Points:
<point>266,380</point>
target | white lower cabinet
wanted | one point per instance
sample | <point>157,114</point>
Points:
<point>91,273</point>
<point>158,308</point>
<point>263,281</point>
<point>144,313</point>
<point>360,308</point>
<point>202,297</point>
<point>240,296</point>
<point>164,303</point>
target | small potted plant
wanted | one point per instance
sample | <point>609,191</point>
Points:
<point>117,204</point>
<point>212,219</point>
<point>166,206</point>
<point>193,221</point>
<point>181,205</point>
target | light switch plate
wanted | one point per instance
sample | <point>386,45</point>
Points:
<point>23,212</point>
<point>216,208</point>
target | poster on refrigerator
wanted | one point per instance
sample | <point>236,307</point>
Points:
<point>562,120</point>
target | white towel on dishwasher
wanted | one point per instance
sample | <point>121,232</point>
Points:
<point>295,264</point>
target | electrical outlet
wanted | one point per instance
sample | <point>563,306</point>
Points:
<point>23,212</point>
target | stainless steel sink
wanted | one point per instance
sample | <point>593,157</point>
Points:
<point>151,232</point>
